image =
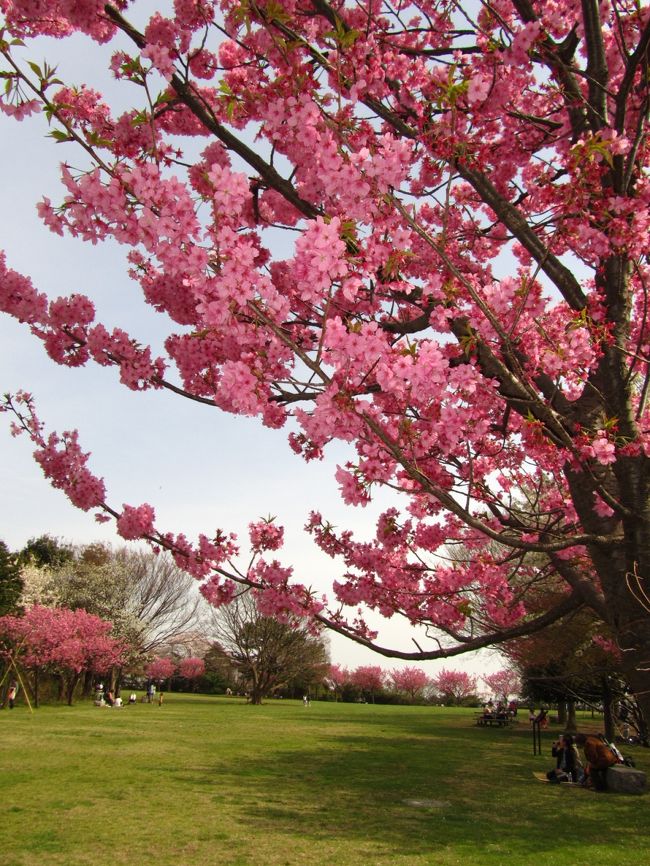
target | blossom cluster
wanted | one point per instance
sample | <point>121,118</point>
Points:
<point>460,294</point>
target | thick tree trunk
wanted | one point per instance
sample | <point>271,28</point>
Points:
<point>115,681</point>
<point>621,594</point>
<point>638,681</point>
<point>571,721</point>
<point>633,639</point>
<point>562,714</point>
<point>621,569</point>
<point>256,697</point>
<point>608,710</point>
<point>641,727</point>
<point>72,683</point>
<point>87,688</point>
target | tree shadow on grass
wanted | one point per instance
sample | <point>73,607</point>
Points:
<point>409,794</point>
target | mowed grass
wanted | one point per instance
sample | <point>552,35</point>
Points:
<point>215,782</point>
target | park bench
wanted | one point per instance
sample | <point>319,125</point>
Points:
<point>493,721</point>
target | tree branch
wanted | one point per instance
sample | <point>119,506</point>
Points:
<point>192,99</point>
<point>568,605</point>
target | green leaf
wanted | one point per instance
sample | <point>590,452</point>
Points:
<point>59,135</point>
<point>348,39</point>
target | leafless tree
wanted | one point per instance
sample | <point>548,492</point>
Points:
<point>162,598</point>
<point>147,597</point>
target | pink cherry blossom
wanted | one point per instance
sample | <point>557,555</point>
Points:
<point>371,230</point>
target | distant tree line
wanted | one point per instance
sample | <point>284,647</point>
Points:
<point>163,631</point>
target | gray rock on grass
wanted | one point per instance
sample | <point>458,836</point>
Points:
<point>626,780</point>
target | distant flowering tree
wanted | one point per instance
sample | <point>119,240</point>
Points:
<point>369,679</point>
<point>337,677</point>
<point>411,681</point>
<point>454,686</point>
<point>503,684</point>
<point>59,641</point>
<point>191,669</point>
<point>160,669</point>
<point>461,297</point>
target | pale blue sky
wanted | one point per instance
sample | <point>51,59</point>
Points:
<point>199,468</point>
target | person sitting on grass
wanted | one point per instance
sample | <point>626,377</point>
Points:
<point>568,766</point>
<point>599,757</point>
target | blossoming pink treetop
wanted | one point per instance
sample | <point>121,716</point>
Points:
<point>337,677</point>
<point>160,669</point>
<point>59,641</point>
<point>454,685</point>
<point>369,679</point>
<point>504,684</point>
<point>464,300</point>
<point>413,681</point>
<point>191,668</point>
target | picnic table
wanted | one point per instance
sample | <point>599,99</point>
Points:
<point>484,721</point>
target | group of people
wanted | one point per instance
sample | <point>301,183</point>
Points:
<point>501,711</point>
<point>569,767</point>
<point>108,699</point>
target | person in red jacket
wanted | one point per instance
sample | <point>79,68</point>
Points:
<point>598,757</point>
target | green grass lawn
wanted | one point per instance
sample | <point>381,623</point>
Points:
<point>214,782</point>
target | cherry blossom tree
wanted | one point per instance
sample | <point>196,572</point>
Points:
<point>59,641</point>
<point>191,669</point>
<point>160,669</point>
<point>504,684</point>
<point>462,295</point>
<point>454,686</point>
<point>369,679</point>
<point>337,677</point>
<point>412,681</point>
